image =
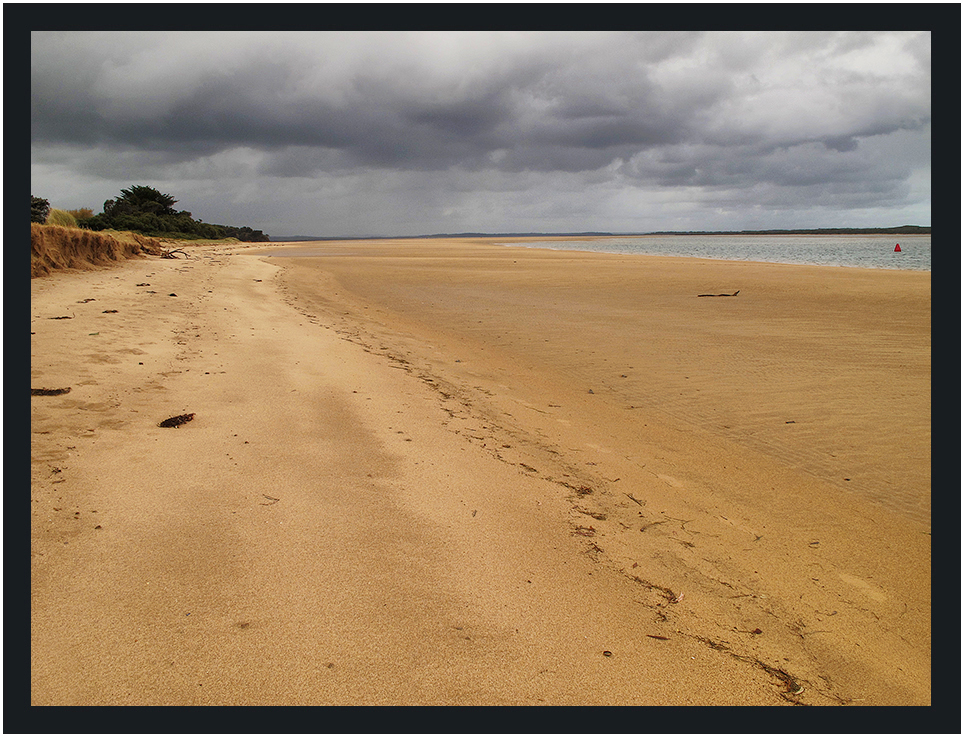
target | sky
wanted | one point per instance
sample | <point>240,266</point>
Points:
<point>409,133</point>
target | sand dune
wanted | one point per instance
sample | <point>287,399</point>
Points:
<point>451,472</point>
<point>56,247</point>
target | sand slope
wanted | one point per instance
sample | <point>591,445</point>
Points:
<point>379,504</point>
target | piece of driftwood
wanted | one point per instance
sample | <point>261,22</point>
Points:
<point>170,254</point>
<point>724,294</point>
<point>46,392</point>
<point>176,421</point>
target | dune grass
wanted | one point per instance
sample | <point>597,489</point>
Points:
<point>62,218</point>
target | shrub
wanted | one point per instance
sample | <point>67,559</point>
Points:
<point>94,223</point>
<point>39,209</point>
<point>81,213</point>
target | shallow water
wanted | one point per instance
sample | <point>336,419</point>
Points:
<point>874,252</point>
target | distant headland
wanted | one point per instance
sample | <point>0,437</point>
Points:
<point>904,230</point>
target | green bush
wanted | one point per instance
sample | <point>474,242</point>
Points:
<point>143,222</point>
<point>39,209</point>
<point>94,223</point>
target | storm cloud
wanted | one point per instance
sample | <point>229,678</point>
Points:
<point>396,133</point>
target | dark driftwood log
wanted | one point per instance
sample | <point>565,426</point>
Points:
<point>725,294</point>
<point>45,392</point>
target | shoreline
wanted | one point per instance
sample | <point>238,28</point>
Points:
<point>544,244</point>
<point>450,455</point>
<point>292,248</point>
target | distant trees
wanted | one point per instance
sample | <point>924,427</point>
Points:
<point>244,233</point>
<point>140,199</point>
<point>39,210</point>
<point>151,212</point>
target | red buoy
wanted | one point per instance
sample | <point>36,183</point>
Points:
<point>897,248</point>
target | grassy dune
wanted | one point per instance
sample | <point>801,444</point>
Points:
<point>56,247</point>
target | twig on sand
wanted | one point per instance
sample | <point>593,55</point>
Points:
<point>273,499</point>
<point>723,294</point>
<point>650,525</point>
<point>170,254</point>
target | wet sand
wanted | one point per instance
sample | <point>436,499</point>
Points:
<point>453,472</point>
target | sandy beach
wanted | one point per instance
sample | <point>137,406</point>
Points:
<point>455,472</point>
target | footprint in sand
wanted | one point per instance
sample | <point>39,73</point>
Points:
<point>671,481</point>
<point>103,359</point>
<point>867,588</point>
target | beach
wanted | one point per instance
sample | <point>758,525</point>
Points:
<point>457,472</point>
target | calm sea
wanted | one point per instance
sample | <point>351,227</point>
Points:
<point>874,252</point>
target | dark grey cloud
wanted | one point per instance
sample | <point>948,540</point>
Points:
<point>642,115</point>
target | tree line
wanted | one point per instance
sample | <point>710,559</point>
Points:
<point>146,210</point>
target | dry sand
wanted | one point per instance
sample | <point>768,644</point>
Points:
<point>453,472</point>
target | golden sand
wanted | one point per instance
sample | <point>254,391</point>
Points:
<point>454,472</point>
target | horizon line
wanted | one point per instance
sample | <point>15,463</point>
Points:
<point>894,230</point>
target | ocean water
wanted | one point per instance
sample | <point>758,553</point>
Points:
<point>873,252</point>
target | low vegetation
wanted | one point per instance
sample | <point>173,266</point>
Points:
<point>62,218</point>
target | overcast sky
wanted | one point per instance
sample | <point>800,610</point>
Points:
<point>397,133</point>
